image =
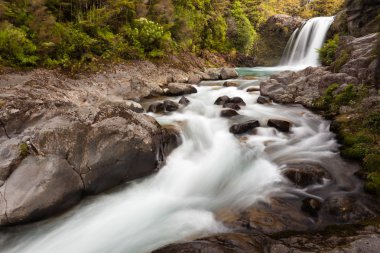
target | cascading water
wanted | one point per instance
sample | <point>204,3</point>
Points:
<point>301,50</point>
<point>302,47</point>
<point>212,170</point>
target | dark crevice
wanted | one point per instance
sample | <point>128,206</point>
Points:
<point>6,204</point>
<point>5,130</point>
<point>74,169</point>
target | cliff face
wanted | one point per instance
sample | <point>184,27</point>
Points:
<point>274,35</point>
<point>359,17</point>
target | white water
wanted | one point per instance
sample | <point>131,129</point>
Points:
<point>302,47</point>
<point>301,50</point>
<point>212,170</point>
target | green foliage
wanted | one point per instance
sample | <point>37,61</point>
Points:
<point>24,149</point>
<point>372,121</point>
<point>372,162</point>
<point>373,183</point>
<point>16,49</point>
<point>242,34</point>
<point>328,51</point>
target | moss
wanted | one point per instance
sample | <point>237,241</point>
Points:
<point>343,58</point>
<point>328,51</point>
<point>372,162</point>
<point>357,151</point>
<point>372,121</point>
<point>373,184</point>
<point>346,96</point>
<point>24,149</point>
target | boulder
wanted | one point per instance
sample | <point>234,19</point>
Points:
<point>222,100</point>
<point>156,107</point>
<point>311,206</point>
<point>228,73</point>
<point>179,89</point>
<point>184,101</point>
<point>263,100</point>
<point>195,79</point>
<point>303,175</point>
<point>253,89</point>
<point>41,187</point>
<point>241,128</point>
<point>280,125</point>
<point>230,84</point>
<point>238,101</point>
<point>211,74</point>
<point>228,113</point>
<point>170,106</point>
<point>235,107</point>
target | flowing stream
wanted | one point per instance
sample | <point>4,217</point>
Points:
<point>212,170</point>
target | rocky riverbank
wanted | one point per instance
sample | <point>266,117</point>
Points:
<point>63,138</point>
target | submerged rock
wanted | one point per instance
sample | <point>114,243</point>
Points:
<point>311,206</point>
<point>238,101</point>
<point>253,89</point>
<point>235,107</point>
<point>303,175</point>
<point>228,113</point>
<point>222,100</point>
<point>170,106</point>
<point>280,125</point>
<point>263,100</point>
<point>230,84</point>
<point>184,101</point>
<point>241,128</point>
<point>157,107</point>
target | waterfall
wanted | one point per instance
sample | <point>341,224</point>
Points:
<point>302,47</point>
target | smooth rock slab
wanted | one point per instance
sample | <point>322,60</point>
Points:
<point>41,186</point>
<point>179,89</point>
<point>244,127</point>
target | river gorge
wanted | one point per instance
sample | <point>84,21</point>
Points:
<point>220,179</point>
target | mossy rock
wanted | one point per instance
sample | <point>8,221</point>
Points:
<point>373,184</point>
<point>24,149</point>
<point>356,152</point>
<point>372,162</point>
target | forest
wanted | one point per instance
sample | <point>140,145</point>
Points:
<point>54,33</point>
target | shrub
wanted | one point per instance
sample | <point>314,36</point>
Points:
<point>328,51</point>
<point>16,49</point>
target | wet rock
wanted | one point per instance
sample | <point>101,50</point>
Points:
<point>263,100</point>
<point>184,101</point>
<point>228,73</point>
<point>241,128</point>
<point>253,89</point>
<point>170,106</point>
<point>238,101</point>
<point>40,187</point>
<point>235,107</point>
<point>228,113</point>
<point>224,243</point>
<point>311,206</point>
<point>10,157</point>
<point>156,107</point>
<point>280,125</point>
<point>230,84</point>
<point>222,100</point>
<point>303,175</point>
<point>348,208</point>
<point>179,89</point>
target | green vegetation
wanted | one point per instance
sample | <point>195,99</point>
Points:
<point>24,149</point>
<point>328,51</point>
<point>76,33</point>
<point>358,128</point>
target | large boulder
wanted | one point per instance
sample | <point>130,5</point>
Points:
<point>179,89</point>
<point>228,73</point>
<point>303,175</point>
<point>280,125</point>
<point>41,186</point>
